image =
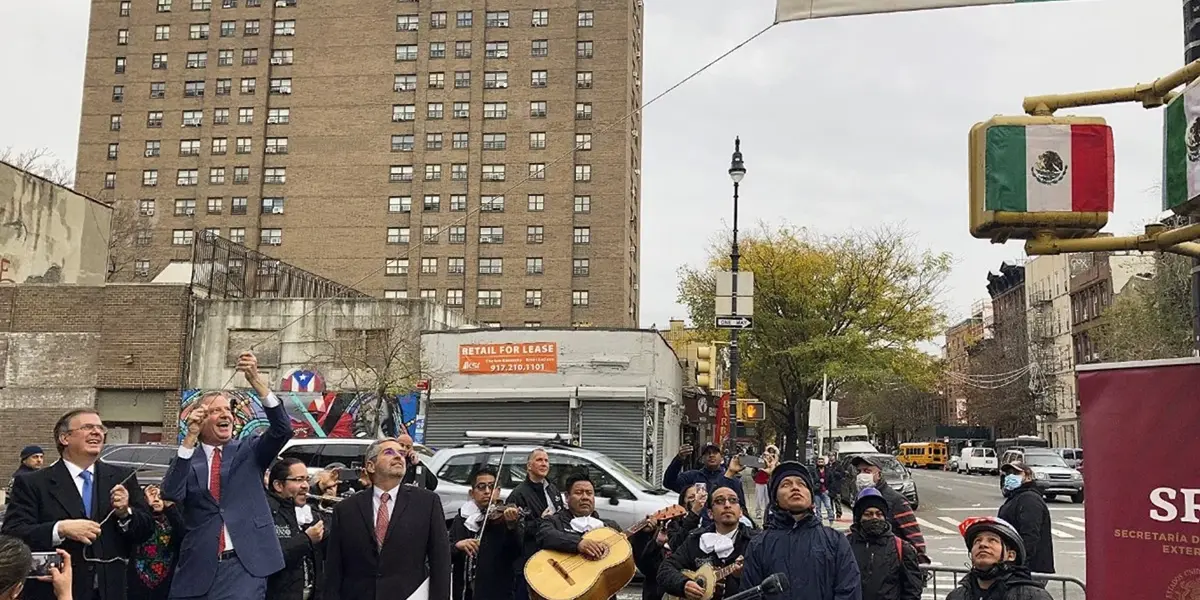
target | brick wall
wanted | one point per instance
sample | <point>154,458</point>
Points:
<point>59,343</point>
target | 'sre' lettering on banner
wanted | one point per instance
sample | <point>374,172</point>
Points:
<point>515,358</point>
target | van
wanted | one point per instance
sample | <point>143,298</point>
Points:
<point>978,460</point>
<point>1072,456</point>
<point>930,455</point>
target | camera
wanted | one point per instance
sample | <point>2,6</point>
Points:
<point>42,562</point>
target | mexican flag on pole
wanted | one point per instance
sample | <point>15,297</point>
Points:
<point>1181,152</point>
<point>800,10</point>
<point>1049,168</point>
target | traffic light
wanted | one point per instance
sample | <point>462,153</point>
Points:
<point>751,410</point>
<point>704,367</point>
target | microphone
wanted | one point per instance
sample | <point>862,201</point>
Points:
<point>770,586</point>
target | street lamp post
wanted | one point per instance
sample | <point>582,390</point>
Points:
<point>1191,53</point>
<point>737,170</point>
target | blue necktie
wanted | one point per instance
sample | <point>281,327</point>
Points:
<point>87,492</point>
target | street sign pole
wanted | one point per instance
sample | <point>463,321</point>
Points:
<point>1191,53</point>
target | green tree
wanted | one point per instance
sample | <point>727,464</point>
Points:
<point>853,307</point>
<point>1150,319</point>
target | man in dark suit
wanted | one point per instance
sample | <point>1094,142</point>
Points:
<point>388,540</point>
<point>94,511</point>
<point>229,546</point>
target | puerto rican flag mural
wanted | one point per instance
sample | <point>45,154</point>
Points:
<point>302,380</point>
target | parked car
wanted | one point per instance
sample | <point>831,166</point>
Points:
<point>978,460</point>
<point>318,453</point>
<point>1072,456</point>
<point>622,495</point>
<point>149,460</point>
<point>1051,474</point>
<point>894,473</point>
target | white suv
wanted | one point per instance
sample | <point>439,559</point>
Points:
<point>318,453</point>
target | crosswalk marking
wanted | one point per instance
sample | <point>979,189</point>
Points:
<point>938,528</point>
<point>1071,526</point>
<point>1073,523</point>
<point>1076,519</point>
<point>1060,534</point>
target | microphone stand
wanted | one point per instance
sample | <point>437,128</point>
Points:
<point>770,586</point>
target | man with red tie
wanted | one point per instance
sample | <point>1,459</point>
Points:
<point>229,546</point>
<point>389,541</point>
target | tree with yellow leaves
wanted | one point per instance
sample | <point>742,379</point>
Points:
<point>853,307</point>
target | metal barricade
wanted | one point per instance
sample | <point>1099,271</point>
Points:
<point>941,580</point>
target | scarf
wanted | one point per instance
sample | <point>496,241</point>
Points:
<point>304,515</point>
<point>717,543</point>
<point>472,516</point>
<point>585,524</point>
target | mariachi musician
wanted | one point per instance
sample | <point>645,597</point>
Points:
<point>488,535</point>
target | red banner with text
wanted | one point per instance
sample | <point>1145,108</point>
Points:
<point>1142,479</point>
<point>721,427</point>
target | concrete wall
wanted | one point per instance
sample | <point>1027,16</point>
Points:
<point>50,234</point>
<point>290,333</point>
<point>64,346</point>
<point>586,357</point>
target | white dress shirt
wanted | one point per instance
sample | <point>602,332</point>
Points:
<point>376,496</point>
<point>271,401</point>
<point>75,470</point>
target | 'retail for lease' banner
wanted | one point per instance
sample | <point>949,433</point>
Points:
<point>799,10</point>
<point>1141,436</point>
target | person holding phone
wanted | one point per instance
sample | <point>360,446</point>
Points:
<point>17,566</point>
<point>417,473</point>
<point>713,473</point>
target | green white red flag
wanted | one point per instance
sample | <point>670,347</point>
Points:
<point>801,10</point>
<point>1049,168</point>
<point>1181,151</point>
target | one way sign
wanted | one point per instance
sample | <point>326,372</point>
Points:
<point>734,322</point>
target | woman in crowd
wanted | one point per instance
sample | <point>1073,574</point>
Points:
<point>153,562</point>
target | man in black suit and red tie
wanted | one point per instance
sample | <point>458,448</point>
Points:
<point>388,541</point>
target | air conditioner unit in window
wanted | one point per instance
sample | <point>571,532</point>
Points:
<point>277,61</point>
<point>501,84</point>
<point>271,150</point>
<point>272,120</point>
<point>274,242</point>
<point>277,210</point>
<point>189,212</point>
<point>150,153</point>
<point>502,54</point>
<point>410,27</point>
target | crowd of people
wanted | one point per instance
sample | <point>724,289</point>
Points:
<point>231,520</point>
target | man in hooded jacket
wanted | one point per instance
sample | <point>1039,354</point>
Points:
<point>998,570</point>
<point>888,565</point>
<point>816,559</point>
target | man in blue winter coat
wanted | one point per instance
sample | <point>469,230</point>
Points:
<point>712,473</point>
<point>816,559</point>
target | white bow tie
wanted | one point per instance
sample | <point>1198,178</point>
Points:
<point>472,516</point>
<point>715,543</point>
<point>585,524</point>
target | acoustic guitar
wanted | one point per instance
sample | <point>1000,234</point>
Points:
<point>554,575</point>
<point>707,578</point>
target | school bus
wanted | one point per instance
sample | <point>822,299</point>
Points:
<point>930,455</point>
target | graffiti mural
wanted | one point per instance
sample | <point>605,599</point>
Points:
<point>316,414</point>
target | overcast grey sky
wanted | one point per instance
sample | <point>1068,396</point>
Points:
<point>845,123</point>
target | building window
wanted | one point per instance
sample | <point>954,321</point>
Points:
<point>437,81</point>
<point>537,140</point>
<point>141,268</point>
<point>582,235</point>
<point>197,60</point>
<point>491,266</point>
<point>158,61</point>
<point>540,18</point>
<point>114,123</point>
<point>248,85</point>
<point>198,31</point>
<point>458,202</point>
<point>579,298</point>
<point>123,11</point>
<point>433,172</point>
<point>143,238</point>
<point>489,298</point>
<point>185,208</point>
<point>150,177</point>
<point>201,4</point>
<point>214,205</point>
<point>110,181</point>
<point>536,203</point>
<point>396,266</point>
<point>403,143</point>
<point>586,18</point>
<point>462,110</point>
<point>146,208</point>
<point>495,50</point>
<point>245,145</point>
<point>113,151</point>
<point>433,141</point>
<point>224,87</point>
<point>437,49</point>
<point>495,141</point>
<point>583,204</point>
<point>400,173</point>
<point>281,86</point>
<point>491,203</point>
<point>395,294</point>
<point>429,294</point>
<point>276,175</point>
<point>193,89</point>
<point>279,116</point>
<point>533,265</point>
<point>397,235</point>
<point>216,175</point>
<point>454,297</point>
<point>406,52</point>
<point>583,49</point>
<point>237,206</point>
<point>457,235</point>
<point>272,206</point>
<point>493,172</point>
<point>464,18</point>
<point>434,110</point>
<point>583,110</point>
<point>537,109</point>
<point>429,266</point>
<point>533,298</point>
<point>537,170</point>
<point>580,267</point>
<point>287,27</point>
<point>583,80</point>
<point>220,146</point>
<point>153,148</point>
<point>404,83</point>
<point>535,234</point>
<point>429,234</point>
<point>400,204</point>
<point>540,48</point>
<point>494,80</point>
<point>270,237</point>
<point>437,20</point>
<point>241,176</point>
<point>495,110</point>
<point>250,56</point>
<point>228,29</point>
<point>460,141</point>
<point>496,19</point>
<point>431,202</point>
<point>158,89</point>
<point>181,237</point>
<point>491,235</point>
<point>119,66</point>
<point>220,116</point>
<point>187,177</point>
<point>277,145</point>
<point>583,172</point>
<point>285,56</point>
<point>413,22</point>
<point>404,112</point>
<point>122,37</point>
<point>162,33</point>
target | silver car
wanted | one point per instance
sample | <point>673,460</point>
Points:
<point>621,495</point>
<point>1052,476</point>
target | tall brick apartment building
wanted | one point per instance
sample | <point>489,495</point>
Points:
<point>120,348</point>
<point>474,152</point>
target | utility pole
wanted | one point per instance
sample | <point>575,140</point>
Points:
<point>828,407</point>
<point>1191,53</point>
<point>737,170</point>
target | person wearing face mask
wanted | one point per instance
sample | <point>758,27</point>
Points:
<point>16,561</point>
<point>720,544</point>
<point>301,533</point>
<point>998,569</point>
<point>888,565</point>
<point>903,518</point>
<point>1026,510</point>
<point>817,559</point>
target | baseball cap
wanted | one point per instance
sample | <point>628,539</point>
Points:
<point>1015,467</point>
